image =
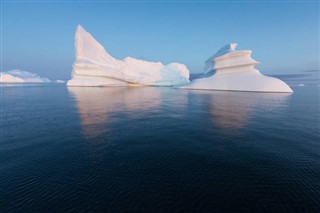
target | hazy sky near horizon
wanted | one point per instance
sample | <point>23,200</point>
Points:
<point>39,36</point>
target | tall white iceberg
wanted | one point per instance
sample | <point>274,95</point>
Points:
<point>94,66</point>
<point>231,69</point>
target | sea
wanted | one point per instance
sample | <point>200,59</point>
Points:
<point>158,149</point>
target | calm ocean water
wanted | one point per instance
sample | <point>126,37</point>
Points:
<point>159,150</point>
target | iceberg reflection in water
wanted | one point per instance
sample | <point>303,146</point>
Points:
<point>233,110</point>
<point>100,107</point>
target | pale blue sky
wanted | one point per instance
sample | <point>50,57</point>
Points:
<point>39,36</point>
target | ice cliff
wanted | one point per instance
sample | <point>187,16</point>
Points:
<point>94,66</point>
<point>231,69</point>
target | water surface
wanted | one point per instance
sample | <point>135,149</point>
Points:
<point>159,149</point>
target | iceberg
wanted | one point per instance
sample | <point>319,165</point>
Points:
<point>19,76</point>
<point>231,69</point>
<point>59,81</point>
<point>94,66</point>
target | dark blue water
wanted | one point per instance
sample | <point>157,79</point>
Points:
<point>151,149</point>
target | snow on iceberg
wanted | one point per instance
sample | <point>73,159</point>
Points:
<point>19,76</point>
<point>231,69</point>
<point>94,66</point>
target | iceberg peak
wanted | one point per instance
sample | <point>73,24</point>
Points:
<point>229,48</point>
<point>226,49</point>
<point>89,50</point>
<point>80,28</point>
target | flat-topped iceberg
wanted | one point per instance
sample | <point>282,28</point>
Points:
<point>19,76</point>
<point>94,66</point>
<point>231,69</point>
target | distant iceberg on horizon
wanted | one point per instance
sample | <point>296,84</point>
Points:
<point>94,66</point>
<point>234,70</point>
<point>19,76</point>
<point>228,69</point>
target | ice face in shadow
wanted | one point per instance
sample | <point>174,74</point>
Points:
<point>94,66</point>
<point>231,69</point>
<point>97,105</point>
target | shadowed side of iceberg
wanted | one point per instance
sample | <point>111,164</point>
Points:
<point>230,69</point>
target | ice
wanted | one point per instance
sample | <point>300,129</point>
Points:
<point>58,81</point>
<point>228,69</point>
<point>231,69</point>
<point>94,66</point>
<point>19,76</point>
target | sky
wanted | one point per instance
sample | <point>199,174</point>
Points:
<point>38,36</point>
